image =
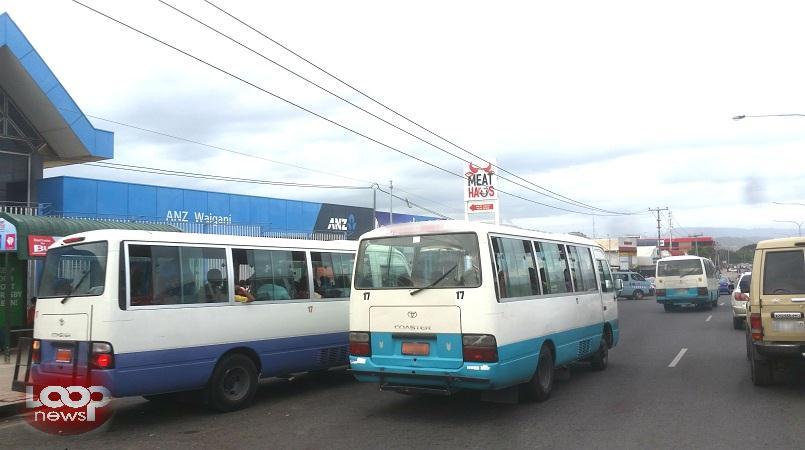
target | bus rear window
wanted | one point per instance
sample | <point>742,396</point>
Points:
<point>412,262</point>
<point>76,270</point>
<point>679,268</point>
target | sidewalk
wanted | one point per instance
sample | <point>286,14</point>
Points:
<point>10,402</point>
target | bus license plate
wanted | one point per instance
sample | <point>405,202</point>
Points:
<point>787,326</point>
<point>415,348</point>
<point>64,355</point>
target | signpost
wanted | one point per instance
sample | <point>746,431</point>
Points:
<point>8,236</point>
<point>480,191</point>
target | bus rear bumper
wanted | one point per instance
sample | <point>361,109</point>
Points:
<point>684,301</point>
<point>475,376</point>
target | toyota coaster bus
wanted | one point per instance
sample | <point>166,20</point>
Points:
<point>447,305</point>
<point>153,313</point>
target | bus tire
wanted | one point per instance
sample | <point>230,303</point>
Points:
<point>541,384</point>
<point>667,307</point>
<point>637,295</point>
<point>600,359</point>
<point>233,383</point>
<point>737,323</point>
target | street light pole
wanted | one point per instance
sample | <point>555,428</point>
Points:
<point>744,116</point>
<point>789,203</point>
<point>798,224</point>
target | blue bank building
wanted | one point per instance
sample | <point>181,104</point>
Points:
<point>42,126</point>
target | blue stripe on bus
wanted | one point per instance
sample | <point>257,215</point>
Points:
<point>516,362</point>
<point>181,369</point>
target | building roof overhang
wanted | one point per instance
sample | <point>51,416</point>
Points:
<point>70,137</point>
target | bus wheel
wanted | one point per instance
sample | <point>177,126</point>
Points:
<point>600,359</point>
<point>233,383</point>
<point>638,295</point>
<point>541,384</point>
<point>667,307</point>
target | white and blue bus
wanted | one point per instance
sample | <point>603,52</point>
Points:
<point>152,313</point>
<point>686,281</point>
<point>441,306</point>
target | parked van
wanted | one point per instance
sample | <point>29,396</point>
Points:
<point>634,285</point>
<point>775,331</point>
<point>686,281</point>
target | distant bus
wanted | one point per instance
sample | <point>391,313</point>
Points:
<point>686,281</point>
<point>441,306</point>
<point>151,313</point>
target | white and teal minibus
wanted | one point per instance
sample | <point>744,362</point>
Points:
<point>442,306</point>
<point>686,281</point>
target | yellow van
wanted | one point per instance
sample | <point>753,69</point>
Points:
<point>775,328</point>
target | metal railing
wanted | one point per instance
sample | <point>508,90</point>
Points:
<point>21,208</point>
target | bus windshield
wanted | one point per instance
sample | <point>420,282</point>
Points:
<point>414,262</point>
<point>679,268</point>
<point>77,270</point>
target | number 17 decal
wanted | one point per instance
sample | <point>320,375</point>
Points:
<point>459,295</point>
<point>366,295</point>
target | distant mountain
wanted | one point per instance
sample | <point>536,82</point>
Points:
<point>735,238</point>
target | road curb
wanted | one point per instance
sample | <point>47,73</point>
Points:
<point>8,409</point>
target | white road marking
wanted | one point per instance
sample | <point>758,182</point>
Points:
<point>708,318</point>
<point>678,357</point>
<point>722,303</point>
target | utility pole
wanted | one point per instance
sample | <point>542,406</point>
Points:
<point>670,232</point>
<point>659,236</point>
<point>695,242</point>
<point>391,202</point>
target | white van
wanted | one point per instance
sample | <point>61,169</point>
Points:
<point>686,281</point>
<point>477,306</point>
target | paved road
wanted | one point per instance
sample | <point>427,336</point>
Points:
<point>705,401</point>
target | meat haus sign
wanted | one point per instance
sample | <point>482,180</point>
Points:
<point>480,192</point>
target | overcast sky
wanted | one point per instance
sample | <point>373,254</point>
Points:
<point>621,105</point>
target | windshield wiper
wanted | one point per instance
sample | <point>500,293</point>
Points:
<point>72,290</point>
<point>435,282</point>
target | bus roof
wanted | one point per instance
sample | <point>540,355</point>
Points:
<point>213,239</point>
<point>679,258</point>
<point>458,226</point>
<point>782,243</point>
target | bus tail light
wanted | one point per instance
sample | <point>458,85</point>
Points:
<point>479,348</point>
<point>702,291</point>
<point>36,351</point>
<point>359,343</point>
<point>741,297</point>
<point>756,326</point>
<point>102,356</point>
<point>660,292</point>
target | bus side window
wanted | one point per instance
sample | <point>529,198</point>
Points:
<point>606,276</point>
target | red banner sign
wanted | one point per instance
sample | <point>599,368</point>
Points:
<point>38,245</point>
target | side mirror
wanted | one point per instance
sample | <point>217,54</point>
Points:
<point>619,284</point>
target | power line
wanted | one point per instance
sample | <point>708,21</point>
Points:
<point>369,138</point>
<point>154,170</point>
<point>555,196</point>
<point>443,150</point>
<point>177,173</point>
<point>250,155</point>
<point>224,149</point>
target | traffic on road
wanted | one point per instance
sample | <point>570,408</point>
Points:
<point>463,318</point>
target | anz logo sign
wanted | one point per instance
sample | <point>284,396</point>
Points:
<point>348,224</point>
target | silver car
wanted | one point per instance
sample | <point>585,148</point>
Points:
<point>739,298</point>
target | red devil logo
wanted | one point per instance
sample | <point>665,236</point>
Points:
<point>474,170</point>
